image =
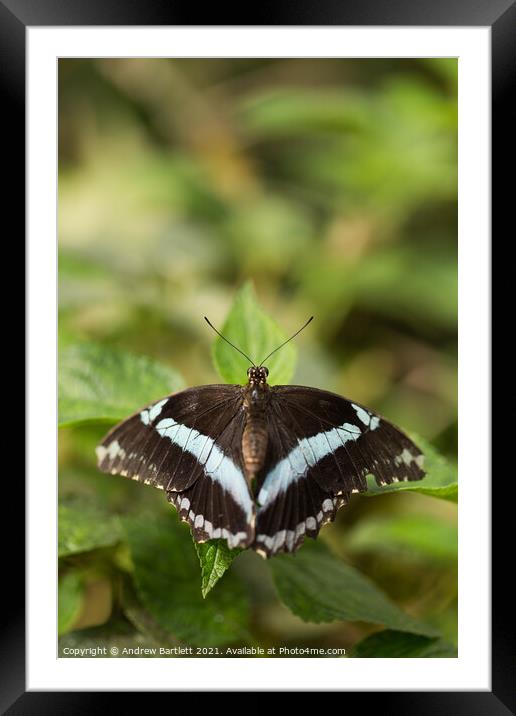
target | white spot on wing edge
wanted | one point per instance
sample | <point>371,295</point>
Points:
<point>279,539</point>
<point>288,538</point>
<point>101,452</point>
<point>234,540</point>
<point>407,458</point>
<point>113,450</point>
<point>199,522</point>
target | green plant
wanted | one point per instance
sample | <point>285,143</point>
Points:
<point>169,592</point>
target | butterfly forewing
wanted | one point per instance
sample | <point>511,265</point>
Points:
<point>360,441</point>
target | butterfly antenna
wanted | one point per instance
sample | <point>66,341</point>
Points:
<point>288,339</point>
<point>225,339</point>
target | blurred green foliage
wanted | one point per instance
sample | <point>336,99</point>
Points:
<point>97,383</point>
<point>331,185</point>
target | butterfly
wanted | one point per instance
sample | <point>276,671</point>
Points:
<point>257,465</point>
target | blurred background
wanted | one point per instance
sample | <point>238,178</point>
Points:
<point>332,185</point>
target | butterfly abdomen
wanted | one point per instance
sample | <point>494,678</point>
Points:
<point>255,435</point>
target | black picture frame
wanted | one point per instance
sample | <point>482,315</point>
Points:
<point>15,17</point>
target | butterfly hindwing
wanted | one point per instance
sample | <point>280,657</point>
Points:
<point>189,444</point>
<point>220,505</point>
<point>321,448</point>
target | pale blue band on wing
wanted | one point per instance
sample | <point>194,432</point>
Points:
<point>372,421</point>
<point>307,453</point>
<point>217,465</point>
<point>150,414</point>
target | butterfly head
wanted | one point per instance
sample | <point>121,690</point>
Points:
<point>257,375</point>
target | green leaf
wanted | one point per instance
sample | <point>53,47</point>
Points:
<point>109,641</point>
<point>389,644</point>
<point>318,587</point>
<point>166,573</point>
<point>140,617</point>
<point>256,334</point>
<point>215,558</point>
<point>440,480</point>
<point>407,534</point>
<point>82,526</point>
<point>70,600</point>
<point>104,385</point>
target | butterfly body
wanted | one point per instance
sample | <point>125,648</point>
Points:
<point>257,465</point>
<point>256,435</point>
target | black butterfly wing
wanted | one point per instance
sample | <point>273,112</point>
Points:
<point>290,503</point>
<point>321,448</point>
<point>189,444</point>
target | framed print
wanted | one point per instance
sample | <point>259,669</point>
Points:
<point>258,314</point>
